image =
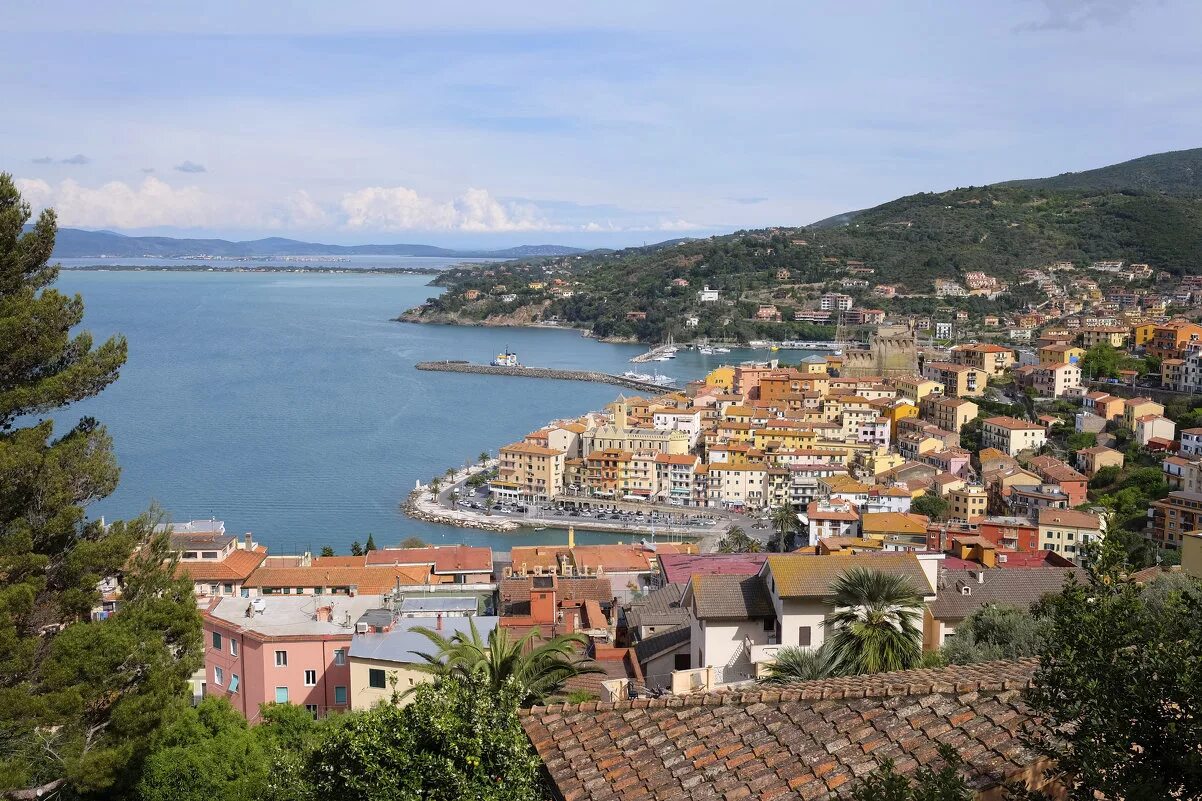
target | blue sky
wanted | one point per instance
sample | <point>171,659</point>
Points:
<point>594,124</point>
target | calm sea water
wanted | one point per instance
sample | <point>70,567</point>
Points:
<point>288,405</point>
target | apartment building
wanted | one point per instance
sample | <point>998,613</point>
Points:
<point>1115,336</point>
<point>994,360</point>
<point>1012,436</point>
<point>916,387</point>
<point>215,562</point>
<point>1066,531</point>
<point>1135,408</point>
<point>676,476</point>
<point>1055,380</point>
<point>1060,353</point>
<point>949,414</point>
<point>967,504</point>
<point>1170,518</point>
<point>959,380</point>
<point>1173,339</point>
<point>528,472</point>
<point>1091,460</point>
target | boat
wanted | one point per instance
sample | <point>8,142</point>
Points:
<point>774,347</point>
<point>663,358</point>
<point>540,528</point>
<point>721,350</point>
<point>506,359</point>
<point>662,380</point>
<point>633,376</point>
<point>706,350</point>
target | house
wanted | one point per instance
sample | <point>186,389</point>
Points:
<point>1054,471</point>
<point>1108,407</point>
<point>992,359</point>
<point>1060,354</point>
<point>286,650</point>
<point>1115,336</point>
<point>387,663</point>
<point>708,295</point>
<point>916,387</point>
<point>1055,380</point>
<point>471,294</point>
<point>800,588</point>
<point>1173,339</point>
<point>894,525</point>
<point>1135,408</point>
<point>1191,442</point>
<point>1012,436</point>
<point>215,562</point>
<point>835,301</point>
<point>730,615</point>
<point>1091,460</point>
<point>833,517</point>
<point>767,311</point>
<point>636,316</point>
<point>1154,429</point>
<point>1066,531</point>
<point>967,503</point>
<point>760,743</point>
<point>963,591</point>
<point>528,472</point>
<point>959,380</point>
<point>950,414</point>
<point>1172,517</point>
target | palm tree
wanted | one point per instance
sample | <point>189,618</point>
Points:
<point>536,672</point>
<point>483,457</point>
<point>435,484</point>
<point>784,519</point>
<point>875,625</point>
<point>488,504</point>
<point>450,473</point>
<point>799,664</point>
<point>737,541</point>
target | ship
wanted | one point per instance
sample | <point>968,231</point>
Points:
<point>506,359</point>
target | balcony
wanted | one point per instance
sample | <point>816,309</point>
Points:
<point>763,654</point>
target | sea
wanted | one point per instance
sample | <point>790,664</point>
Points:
<point>287,404</point>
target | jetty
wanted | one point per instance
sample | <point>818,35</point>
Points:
<point>651,354</point>
<point>545,372</point>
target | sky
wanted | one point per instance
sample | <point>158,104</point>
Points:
<point>475,124</point>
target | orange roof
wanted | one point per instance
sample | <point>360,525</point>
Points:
<point>235,567</point>
<point>624,557</point>
<point>368,580</point>
<point>1013,424</point>
<point>443,558</point>
<point>530,448</point>
<point>675,458</point>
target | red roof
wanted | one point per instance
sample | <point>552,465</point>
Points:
<point>445,559</point>
<point>678,568</point>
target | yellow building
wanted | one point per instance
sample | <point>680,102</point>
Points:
<point>959,380</point>
<point>1142,333</point>
<point>950,414</point>
<point>721,377</point>
<point>967,503</point>
<point>1135,408</point>
<point>903,525</point>
<point>915,387</point>
<point>1191,553</point>
<point>1060,354</point>
<point>993,359</point>
<point>528,472</point>
<point>1115,336</point>
<point>900,410</point>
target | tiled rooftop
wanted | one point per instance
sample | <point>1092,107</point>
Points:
<point>287,616</point>
<point>809,741</point>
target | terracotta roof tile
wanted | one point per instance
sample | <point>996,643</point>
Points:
<point>806,576</point>
<point>236,567</point>
<point>809,740</point>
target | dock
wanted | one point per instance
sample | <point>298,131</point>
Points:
<point>651,354</point>
<point>545,372</point>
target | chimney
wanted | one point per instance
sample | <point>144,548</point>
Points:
<point>438,622</point>
<point>571,536</point>
<point>249,540</point>
<point>325,614</point>
<point>307,560</point>
<point>543,602</point>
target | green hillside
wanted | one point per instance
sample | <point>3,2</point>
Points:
<point>999,230</point>
<point>1175,173</point>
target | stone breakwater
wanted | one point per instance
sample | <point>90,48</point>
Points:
<point>544,372</point>
<point>422,505</point>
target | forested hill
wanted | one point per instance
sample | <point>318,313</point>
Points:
<point>908,242</point>
<point>1175,173</point>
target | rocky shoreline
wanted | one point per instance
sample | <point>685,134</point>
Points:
<point>504,321</point>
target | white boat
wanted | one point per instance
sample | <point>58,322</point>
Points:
<point>721,350</point>
<point>633,376</point>
<point>662,380</point>
<point>506,359</point>
<point>662,358</point>
<point>706,350</point>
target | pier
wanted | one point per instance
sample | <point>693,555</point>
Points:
<point>651,354</point>
<point>545,372</point>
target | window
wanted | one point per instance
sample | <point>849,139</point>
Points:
<point>227,589</point>
<point>300,590</point>
<point>769,624</point>
<point>310,678</point>
<point>319,590</point>
<point>281,659</point>
<point>245,592</point>
<point>216,640</point>
<point>803,636</point>
<point>375,678</point>
<point>340,695</point>
<point>281,695</point>
<point>680,662</point>
<point>339,656</point>
<point>218,676</point>
<point>234,682</point>
<point>208,554</point>
<point>213,588</point>
<point>312,710</point>
<point>233,647</point>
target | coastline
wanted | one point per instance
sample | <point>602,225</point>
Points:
<point>137,268</point>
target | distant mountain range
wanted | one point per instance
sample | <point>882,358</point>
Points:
<point>1177,173</point>
<point>75,243</point>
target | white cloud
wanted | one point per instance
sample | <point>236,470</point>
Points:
<point>120,205</point>
<point>398,208</point>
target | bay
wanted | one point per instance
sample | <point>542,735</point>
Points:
<point>288,404</point>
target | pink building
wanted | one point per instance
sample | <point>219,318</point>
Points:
<point>286,649</point>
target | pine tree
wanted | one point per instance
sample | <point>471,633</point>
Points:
<point>79,699</point>
<point>356,549</point>
<point>371,543</point>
